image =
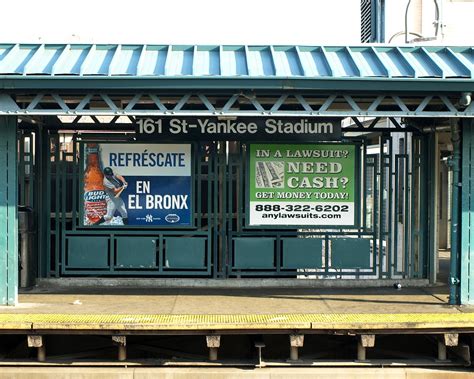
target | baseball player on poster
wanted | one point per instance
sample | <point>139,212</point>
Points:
<point>114,185</point>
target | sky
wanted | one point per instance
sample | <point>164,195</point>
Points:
<point>181,21</point>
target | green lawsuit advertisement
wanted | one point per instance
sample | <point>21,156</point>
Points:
<point>307,184</point>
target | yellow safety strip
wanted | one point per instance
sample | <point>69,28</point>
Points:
<point>244,321</point>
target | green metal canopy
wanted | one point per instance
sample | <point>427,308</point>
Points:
<point>365,68</point>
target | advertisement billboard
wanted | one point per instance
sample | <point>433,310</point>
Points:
<point>302,184</point>
<point>137,184</point>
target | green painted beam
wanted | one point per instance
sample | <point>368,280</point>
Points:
<point>8,211</point>
<point>432,219</point>
<point>466,285</point>
<point>382,85</point>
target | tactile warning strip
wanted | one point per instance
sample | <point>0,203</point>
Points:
<point>235,321</point>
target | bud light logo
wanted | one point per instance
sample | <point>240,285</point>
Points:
<point>172,218</point>
<point>92,149</point>
<point>95,196</point>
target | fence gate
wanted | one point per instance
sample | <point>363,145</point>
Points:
<point>389,241</point>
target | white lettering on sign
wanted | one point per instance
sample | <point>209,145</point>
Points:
<point>302,127</point>
<point>235,127</point>
<point>150,126</point>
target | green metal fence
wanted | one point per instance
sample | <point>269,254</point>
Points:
<point>389,242</point>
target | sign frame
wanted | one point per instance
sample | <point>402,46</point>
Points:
<point>80,225</point>
<point>194,134</point>
<point>357,188</point>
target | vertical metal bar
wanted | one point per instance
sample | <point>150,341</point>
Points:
<point>240,187</point>
<point>8,211</point>
<point>466,260</point>
<point>39,200</point>
<point>229,197</point>
<point>225,238</point>
<point>389,227</point>
<point>197,189</point>
<point>432,164</point>
<point>47,202</point>
<point>112,242</point>
<point>214,166</point>
<point>376,214</point>
<point>278,253</point>
<point>64,192</point>
<point>461,197</point>
<point>160,253</point>
<point>421,191</point>
<point>32,173</point>
<point>364,184</point>
<point>57,202</point>
<point>44,202</point>
<point>21,169</point>
<point>75,168</point>
<point>211,225</point>
<point>396,214</point>
<point>413,208</point>
<point>407,215</point>
<point>382,207</point>
<point>326,254</point>
<point>3,211</point>
<point>220,210</point>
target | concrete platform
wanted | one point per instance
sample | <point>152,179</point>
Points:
<point>113,309</point>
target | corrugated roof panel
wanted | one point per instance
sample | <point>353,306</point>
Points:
<point>313,62</point>
<point>71,60</point>
<point>422,63</point>
<point>6,56</point>
<point>341,62</point>
<point>98,60</point>
<point>368,62</point>
<point>17,58</point>
<point>180,61</point>
<point>287,62</point>
<point>125,61</point>
<point>233,61</point>
<point>260,61</point>
<point>4,49</point>
<point>206,61</point>
<point>395,63</point>
<point>467,57</point>
<point>42,61</point>
<point>152,61</point>
<point>451,65</point>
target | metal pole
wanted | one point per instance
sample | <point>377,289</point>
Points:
<point>442,356</point>
<point>361,352</point>
<point>41,353</point>
<point>213,353</point>
<point>456,167</point>
<point>293,353</point>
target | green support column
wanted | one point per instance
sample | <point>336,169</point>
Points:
<point>8,212</point>
<point>467,215</point>
<point>432,222</point>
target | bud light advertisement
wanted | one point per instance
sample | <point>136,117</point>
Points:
<point>137,184</point>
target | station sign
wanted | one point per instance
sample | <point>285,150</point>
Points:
<point>302,184</point>
<point>239,128</point>
<point>137,184</point>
